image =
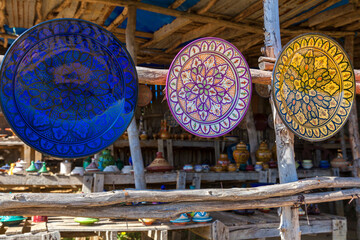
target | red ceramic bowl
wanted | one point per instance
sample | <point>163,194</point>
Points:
<point>39,219</point>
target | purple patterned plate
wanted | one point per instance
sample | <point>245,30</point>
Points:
<point>208,87</point>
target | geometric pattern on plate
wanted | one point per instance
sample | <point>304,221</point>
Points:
<point>313,86</point>
<point>208,87</point>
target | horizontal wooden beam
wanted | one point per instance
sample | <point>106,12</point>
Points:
<point>158,76</point>
<point>166,211</point>
<point>54,200</point>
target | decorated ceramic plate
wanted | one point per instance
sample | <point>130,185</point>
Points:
<point>313,86</point>
<point>208,87</point>
<point>68,88</point>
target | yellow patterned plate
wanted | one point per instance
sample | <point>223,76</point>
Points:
<point>313,86</point>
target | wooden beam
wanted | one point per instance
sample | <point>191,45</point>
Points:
<point>347,19</point>
<point>176,4</point>
<point>2,15</point>
<point>56,10</point>
<point>107,10</point>
<point>137,33</point>
<point>132,129</point>
<point>330,14</point>
<point>207,7</point>
<point>100,198</point>
<point>39,15</point>
<point>253,8</point>
<point>309,13</point>
<point>172,12</point>
<point>166,30</point>
<point>296,9</point>
<point>166,211</point>
<point>118,20</point>
<point>80,11</point>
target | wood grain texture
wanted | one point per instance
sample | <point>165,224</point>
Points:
<point>165,211</point>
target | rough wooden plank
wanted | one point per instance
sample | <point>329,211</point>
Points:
<point>330,14</point>
<point>160,145</point>
<point>309,13</point>
<point>172,12</point>
<point>256,6</point>
<point>13,230</point>
<point>38,227</point>
<point>41,180</point>
<point>166,30</point>
<point>339,229</point>
<point>169,152</point>
<point>87,184</point>
<point>176,4</point>
<point>55,11</point>
<point>98,182</point>
<point>197,180</point>
<point>118,20</point>
<point>171,210</point>
<point>181,180</point>
<point>220,231</point>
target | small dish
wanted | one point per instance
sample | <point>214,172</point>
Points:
<point>86,221</point>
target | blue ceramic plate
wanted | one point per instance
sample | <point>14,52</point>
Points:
<point>68,88</point>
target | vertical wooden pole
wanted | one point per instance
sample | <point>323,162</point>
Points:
<point>251,130</point>
<point>289,218</point>
<point>133,133</point>
<point>354,132</point>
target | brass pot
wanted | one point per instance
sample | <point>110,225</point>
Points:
<point>241,154</point>
<point>263,154</point>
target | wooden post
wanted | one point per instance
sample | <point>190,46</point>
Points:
<point>289,217</point>
<point>354,133</point>
<point>251,130</point>
<point>133,133</point>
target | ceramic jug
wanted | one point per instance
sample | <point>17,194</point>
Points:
<point>263,154</point>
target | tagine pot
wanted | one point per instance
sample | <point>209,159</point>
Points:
<point>263,154</point>
<point>106,159</point>
<point>339,162</point>
<point>241,154</point>
<point>232,167</point>
<point>223,161</point>
<point>143,136</point>
<point>159,164</point>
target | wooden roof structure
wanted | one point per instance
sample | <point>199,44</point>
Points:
<point>238,21</point>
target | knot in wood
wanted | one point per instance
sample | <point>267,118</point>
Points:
<point>18,198</point>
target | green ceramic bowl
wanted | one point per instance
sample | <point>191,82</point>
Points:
<point>86,221</point>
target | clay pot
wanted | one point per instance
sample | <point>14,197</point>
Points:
<point>263,154</point>
<point>339,162</point>
<point>258,166</point>
<point>188,168</point>
<point>241,154</point>
<point>159,164</point>
<point>143,136</point>
<point>231,167</point>
<point>223,161</point>
<point>218,168</point>
<point>307,164</point>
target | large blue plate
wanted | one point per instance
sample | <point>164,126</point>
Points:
<point>68,87</point>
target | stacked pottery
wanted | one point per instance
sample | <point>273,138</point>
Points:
<point>223,161</point>
<point>65,167</point>
<point>5,168</point>
<point>205,167</point>
<point>147,221</point>
<point>263,154</point>
<point>43,169</point>
<point>339,162</point>
<point>19,167</point>
<point>241,154</point>
<point>197,168</point>
<point>324,164</point>
<point>258,166</point>
<point>111,168</point>
<point>105,159</point>
<point>232,167</point>
<point>127,169</point>
<point>307,164</point>
<point>201,217</point>
<point>188,168</point>
<point>92,167</point>
<point>182,220</point>
<point>78,171</point>
<point>159,164</point>
<point>32,167</point>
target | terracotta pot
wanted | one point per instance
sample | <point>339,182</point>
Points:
<point>241,154</point>
<point>223,161</point>
<point>159,164</point>
<point>263,154</point>
<point>339,162</point>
